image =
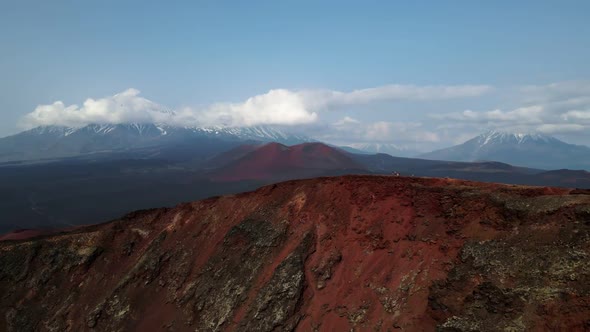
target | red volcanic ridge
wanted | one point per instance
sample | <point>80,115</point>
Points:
<point>362,253</point>
<point>277,161</point>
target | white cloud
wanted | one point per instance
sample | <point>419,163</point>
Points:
<point>560,128</point>
<point>529,115</point>
<point>346,121</point>
<point>329,98</point>
<point>349,130</point>
<point>279,106</point>
<point>555,91</point>
<point>576,115</point>
<point>398,131</point>
<point>276,107</point>
<point>123,107</point>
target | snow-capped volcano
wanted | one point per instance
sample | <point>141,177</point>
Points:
<point>501,137</point>
<point>263,133</point>
<point>58,141</point>
<point>522,149</point>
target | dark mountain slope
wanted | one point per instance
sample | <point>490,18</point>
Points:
<point>478,171</point>
<point>130,140</point>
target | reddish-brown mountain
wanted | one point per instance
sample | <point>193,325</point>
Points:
<point>362,253</point>
<point>276,161</point>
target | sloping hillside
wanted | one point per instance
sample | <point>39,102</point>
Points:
<point>348,253</point>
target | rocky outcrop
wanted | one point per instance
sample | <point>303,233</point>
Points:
<point>330,254</point>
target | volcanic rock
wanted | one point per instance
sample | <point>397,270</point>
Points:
<point>360,253</point>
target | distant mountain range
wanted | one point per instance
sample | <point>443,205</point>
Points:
<point>149,141</point>
<point>529,150</point>
<point>51,142</point>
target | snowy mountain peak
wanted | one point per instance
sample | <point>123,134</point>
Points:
<point>519,149</point>
<point>256,133</point>
<point>52,130</point>
<point>58,141</point>
<point>504,137</point>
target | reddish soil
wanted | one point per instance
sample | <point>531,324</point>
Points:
<point>361,253</point>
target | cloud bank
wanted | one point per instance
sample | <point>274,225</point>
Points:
<point>349,131</point>
<point>558,108</point>
<point>276,107</point>
<point>329,98</point>
<point>124,107</point>
<point>430,116</point>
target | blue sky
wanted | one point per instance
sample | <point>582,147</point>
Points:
<point>197,54</point>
